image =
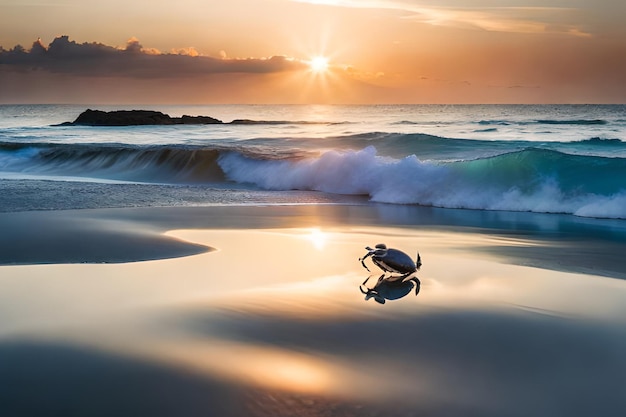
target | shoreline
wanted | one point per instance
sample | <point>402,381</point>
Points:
<point>111,235</point>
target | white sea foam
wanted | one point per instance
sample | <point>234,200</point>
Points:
<point>412,181</point>
<point>604,207</point>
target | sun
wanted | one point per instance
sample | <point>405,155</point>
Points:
<point>318,64</point>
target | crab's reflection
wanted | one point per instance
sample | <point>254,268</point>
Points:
<point>390,288</point>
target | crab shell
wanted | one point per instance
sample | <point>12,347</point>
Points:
<point>393,261</point>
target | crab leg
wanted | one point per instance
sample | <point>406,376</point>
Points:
<point>363,285</point>
<point>370,253</point>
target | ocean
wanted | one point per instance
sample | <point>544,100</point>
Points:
<point>568,159</point>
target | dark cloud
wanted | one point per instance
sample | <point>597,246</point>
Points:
<point>65,56</point>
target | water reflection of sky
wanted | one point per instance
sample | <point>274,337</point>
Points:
<point>281,309</point>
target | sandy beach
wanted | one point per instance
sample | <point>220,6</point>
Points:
<point>256,310</point>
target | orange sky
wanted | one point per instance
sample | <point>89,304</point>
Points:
<point>380,51</point>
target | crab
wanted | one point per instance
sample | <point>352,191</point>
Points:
<point>393,261</point>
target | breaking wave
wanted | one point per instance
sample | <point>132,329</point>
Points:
<point>534,180</point>
<point>528,179</point>
<point>168,164</point>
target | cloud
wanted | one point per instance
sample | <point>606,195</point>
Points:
<point>539,20</point>
<point>65,56</point>
<point>503,18</point>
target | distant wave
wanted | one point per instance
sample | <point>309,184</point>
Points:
<point>529,179</point>
<point>275,122</point>
<point>572,122</point>
<point>405,122</point>
<point>417,140</point>
<point>422,123</point>
<point>445,148</point>
<point>602,141</point>
<point>545,122</point>
<point>427,146</point>
<point>494,122</point>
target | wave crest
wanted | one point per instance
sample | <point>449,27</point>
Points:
<point>530,180</point>
<point>145,164</point>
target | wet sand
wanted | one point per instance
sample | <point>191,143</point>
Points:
<point>237,311</point>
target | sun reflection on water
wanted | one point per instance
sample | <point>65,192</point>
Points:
<point>318,238</point>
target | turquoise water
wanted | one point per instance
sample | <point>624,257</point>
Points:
<point>546,159</point>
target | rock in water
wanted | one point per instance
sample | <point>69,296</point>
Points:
<point>136,118</point>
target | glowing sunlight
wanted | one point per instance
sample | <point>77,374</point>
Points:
<point>319,64</point>
<point>318,238</point>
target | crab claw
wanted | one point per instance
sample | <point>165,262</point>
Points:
<point>418,285</point>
